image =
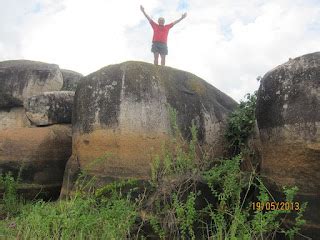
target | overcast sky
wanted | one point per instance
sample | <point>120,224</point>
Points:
<point>226,42</point>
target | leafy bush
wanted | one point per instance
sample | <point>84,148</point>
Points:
<point>10,202</point>
<point>175,212</point>
<point>233,216</point>
<point>240,124</point>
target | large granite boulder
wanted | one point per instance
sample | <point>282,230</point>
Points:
<point>50,108</point>
<point>39,154</point>
<point>70,79</point>
<point>21,79</point>
<point>288,115</point>
<point>121,118</point>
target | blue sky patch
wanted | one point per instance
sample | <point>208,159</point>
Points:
<point>183,5</point>
<point>226,29</point>
<point>36,8</point>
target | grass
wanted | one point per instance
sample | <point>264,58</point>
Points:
<point>84,216</point>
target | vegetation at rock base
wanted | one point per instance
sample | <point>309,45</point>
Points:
<point>241,124</point>
<point>84,216</point>
<point>189,196</point>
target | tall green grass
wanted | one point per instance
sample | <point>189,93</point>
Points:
<point>80,217</point>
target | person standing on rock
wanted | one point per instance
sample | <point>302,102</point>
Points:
<point>160,35</point>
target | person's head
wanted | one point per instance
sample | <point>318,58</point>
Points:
<point>161,21</point>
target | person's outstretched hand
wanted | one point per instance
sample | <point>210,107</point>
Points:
<point>141,8</point>
<point>184,15</point>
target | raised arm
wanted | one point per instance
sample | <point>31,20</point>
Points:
<point>182,17</point>
<point>144,13</point>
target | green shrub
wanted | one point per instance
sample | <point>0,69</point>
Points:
<point>10,202</point>
<point>240,124</point>
<point>232,215</point>
<point>186,215</point>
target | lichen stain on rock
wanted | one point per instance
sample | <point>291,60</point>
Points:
<point>50,108</point>
<point>196,86</point>
<point>70,79</point>
<point>21,79</point>
<point>89,89</point>
<point>299,83</point>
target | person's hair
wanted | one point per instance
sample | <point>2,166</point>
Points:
<point>161,18</point>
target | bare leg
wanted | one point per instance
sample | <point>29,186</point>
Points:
<point>156,57</point>
<point>163,60</point>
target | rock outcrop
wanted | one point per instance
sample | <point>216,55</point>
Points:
<point>288,115</point>
<point>38,154</point>
<point>50,108</point>
<point>121,118</point>
<point>21,79</point>
<point>70,80</point>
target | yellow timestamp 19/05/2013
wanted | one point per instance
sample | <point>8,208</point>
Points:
<point>273,206</point>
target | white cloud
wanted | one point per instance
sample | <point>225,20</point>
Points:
<point>226,42</point>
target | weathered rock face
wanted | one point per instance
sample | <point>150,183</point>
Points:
<point>70,80</point>
<point>40,154</point>
<point>50,108</point>
<point>14,117</point>
<point>121,117</point>
<point>288,115</point>
<point>21,79</point>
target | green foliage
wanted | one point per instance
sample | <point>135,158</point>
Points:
<point>299,222</point>
<point>121,189</point>
<point>155,167</point>
<point>240,124</point>
<point>186,215</point>
<point>155,224</point>
<point>180,160</point>
<point>232,215</point>
<point>10,203</point>
<point>174,121</point>
<point>78,218</point>
<point>224,180</point>
<point>88,216</point>
<point>173,211</point>
<point>228,217</point>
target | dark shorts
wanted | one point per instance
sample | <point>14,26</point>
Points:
<point>158,47</point>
